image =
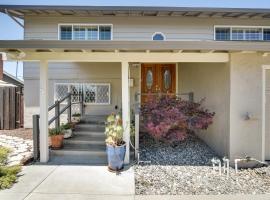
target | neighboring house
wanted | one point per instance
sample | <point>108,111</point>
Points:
<point>112,53</point>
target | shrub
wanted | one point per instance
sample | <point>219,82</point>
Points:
<point>8,174</point>
<point>3,155</point>
<point>171,119</point>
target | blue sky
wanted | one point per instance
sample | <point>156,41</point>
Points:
<point>12,31</point>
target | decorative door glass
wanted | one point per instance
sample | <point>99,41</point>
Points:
<point>149,79</point>
<point>167,79</point>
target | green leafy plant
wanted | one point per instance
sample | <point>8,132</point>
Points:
<point>56,131</point>
<point>114,130</point>
<point>66,126</point>
<point>76,115</point>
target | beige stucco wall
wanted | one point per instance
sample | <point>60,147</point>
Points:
<point>76,73</point>
<point>210,81</point>
<point>246,96</point>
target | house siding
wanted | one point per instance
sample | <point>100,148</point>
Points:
<point>137,28</point>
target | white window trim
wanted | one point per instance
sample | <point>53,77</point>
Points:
<point>241,26</point>
<point>82,85</point>
<point>72,32</point>
<point>164,36</point>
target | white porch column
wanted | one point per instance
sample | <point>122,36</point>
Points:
<point>126,106</point>
<point>43,121</point>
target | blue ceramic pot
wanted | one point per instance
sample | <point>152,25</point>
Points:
<point>116,156</point>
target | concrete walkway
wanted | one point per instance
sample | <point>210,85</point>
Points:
<point>45,182</point>
<point>70,182</point>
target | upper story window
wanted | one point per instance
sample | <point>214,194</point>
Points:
<point>158,36</point>
<point>85,32</point>
<point>242,33</point>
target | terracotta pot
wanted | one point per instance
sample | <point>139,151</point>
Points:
<point>57,141</point>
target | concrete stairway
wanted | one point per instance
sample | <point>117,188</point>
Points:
<point>87,146</point>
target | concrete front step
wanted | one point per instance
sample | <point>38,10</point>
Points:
<point>77,157</point>
<point>85,147</point>
<point>93,119</point>
<point>85,139</point>
<point>90,127</point>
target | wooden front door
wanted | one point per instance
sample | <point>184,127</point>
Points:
<point>157,78</point>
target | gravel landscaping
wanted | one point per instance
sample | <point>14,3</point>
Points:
<point>186,169</point>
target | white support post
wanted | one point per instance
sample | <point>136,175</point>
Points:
<point>43,123</point>
<point>126,106</point>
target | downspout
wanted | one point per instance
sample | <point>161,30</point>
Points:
<point>14,19</point>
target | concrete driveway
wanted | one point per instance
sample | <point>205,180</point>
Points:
<point>71,182</point>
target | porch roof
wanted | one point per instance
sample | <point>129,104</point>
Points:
<point>23,10</point>
<point>10,46</point>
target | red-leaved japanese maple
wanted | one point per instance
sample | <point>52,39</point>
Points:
<point>171,119</point>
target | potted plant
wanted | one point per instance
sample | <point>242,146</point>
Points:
<point>67,130</point>
<point>57,137</point>
<point>76,117</point>
<point>115,145</point>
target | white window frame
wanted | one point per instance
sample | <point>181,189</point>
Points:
<point>235,26</point>
<point>82,86</point>
<point>87,24</point>
<point>164,36</point>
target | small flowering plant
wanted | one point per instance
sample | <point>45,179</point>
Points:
<point>114,130</point>
<point>171,119</point>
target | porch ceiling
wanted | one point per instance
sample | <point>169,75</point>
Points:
<point>10,46</point>
<point>43,10</point>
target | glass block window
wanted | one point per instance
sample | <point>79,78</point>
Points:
<point>66,33</point>
<point>266,34</point>
<point>158,36</point>
<point>242,33</point>
<point>104,33</point>
<point>93,93</point>
<point>85,32</point>
<point>223,34</point>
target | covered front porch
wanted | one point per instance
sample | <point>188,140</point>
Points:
<point>200,67</point>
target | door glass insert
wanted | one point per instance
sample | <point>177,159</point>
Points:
<point>149,79</point>
<point>167,79</point>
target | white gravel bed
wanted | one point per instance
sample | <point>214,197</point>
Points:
<point>186,169</point>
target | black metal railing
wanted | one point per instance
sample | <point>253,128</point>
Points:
<point>56,118</point>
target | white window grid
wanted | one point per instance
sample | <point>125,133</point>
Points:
<point>93,93</point>
<point>244,33</point>
<point>85,29</point>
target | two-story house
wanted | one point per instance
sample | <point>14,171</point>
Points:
<point>111,53</point>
